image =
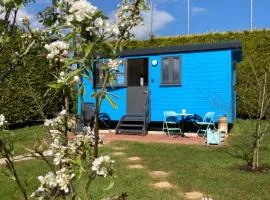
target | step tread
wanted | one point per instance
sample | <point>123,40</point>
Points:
<point>131,125</point>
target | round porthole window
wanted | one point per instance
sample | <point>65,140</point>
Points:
<point>154,62</point>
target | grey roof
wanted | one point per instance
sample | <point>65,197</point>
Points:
<point>182,48</point>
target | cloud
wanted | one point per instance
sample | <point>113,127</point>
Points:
<point>199,10</point>
<point>160,19</point>
<point>23,13</point>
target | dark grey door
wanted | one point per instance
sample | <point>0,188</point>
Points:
<point>136,96</point>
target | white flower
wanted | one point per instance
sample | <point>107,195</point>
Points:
<point>76,79</point>
<point>63,112</point>
<point>48,122</point>
<point>100,165</point>
<point>57,48</point>
<point>98,22</point>
<point>25,19</point>
<point>2,120</point>
<point>62,74</point>
<point>57,158</point>
<point>115,30</point>
<point>114,63</point>
<point>63,179</point>
<point>81,10</point>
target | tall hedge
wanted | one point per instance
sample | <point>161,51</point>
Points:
<point>23,93</point>
<point>255,47</point>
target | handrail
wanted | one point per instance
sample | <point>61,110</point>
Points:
<point>146,115</point>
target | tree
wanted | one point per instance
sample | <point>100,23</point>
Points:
<point>257,104</point>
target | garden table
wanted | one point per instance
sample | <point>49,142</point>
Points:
<point>183,115</point>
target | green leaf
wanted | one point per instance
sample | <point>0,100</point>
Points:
<point>72,61</point>
<point>88,49</point>
<point>110,185</point>
<point>111,101</point>
<point>73,73</point>
<point>111,80</point>
<point>70,36</point>
<point>81,90</point>
<point>55,85</point>
<point>10,176</point>
<point>113,95</point>
<point>94,94</point>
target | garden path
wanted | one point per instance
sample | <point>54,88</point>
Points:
<point>24,157</point>
<point>159,177</point>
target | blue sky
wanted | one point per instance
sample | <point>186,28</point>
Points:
<point>170,16</point>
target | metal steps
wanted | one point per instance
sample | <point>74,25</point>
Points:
<point>131,124</point>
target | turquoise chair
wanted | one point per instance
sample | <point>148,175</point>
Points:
<point>206,123</point>
<point>213,137</point>
<point>170,122</point>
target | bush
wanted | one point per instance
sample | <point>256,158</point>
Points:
<point>23,90</point>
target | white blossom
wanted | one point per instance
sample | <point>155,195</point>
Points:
<point>63,112</point>
<point>114,63</point>
<point>2,120</point>
<point>115,30</point>
<point>99,22</point>
<point>48,122</point>
<point>101,165</point>
<point>76,79</point>
<point>57,48</point>
<point>58,180</point>
<point>81,10</point>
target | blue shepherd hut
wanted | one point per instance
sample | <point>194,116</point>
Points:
<point>197,78</point>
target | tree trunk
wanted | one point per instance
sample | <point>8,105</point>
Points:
<point>96,126</point>
<point>67,102</point>
<point>256,147</point>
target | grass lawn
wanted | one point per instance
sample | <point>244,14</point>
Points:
<point>210,170</point>
<point>26,137</point>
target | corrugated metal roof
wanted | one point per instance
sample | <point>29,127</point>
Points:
<point>182,48</point>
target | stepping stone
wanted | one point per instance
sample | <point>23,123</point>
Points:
<point>118,148</point>
<point>120,153</point>
<point>158,174</point>
<point>162,185</point>
<point>207,198</point>
<point>194,195</point>
<point>134,158</point>
<point>135,166</point>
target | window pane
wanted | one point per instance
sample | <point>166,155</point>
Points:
<point>120,79</point>
<point>121,68</point>
<point>176,71</point>
<point>165,70</point>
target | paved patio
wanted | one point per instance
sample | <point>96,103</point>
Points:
<point>153,138</point>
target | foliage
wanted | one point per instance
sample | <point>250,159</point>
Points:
<point>255,45</point>
<point>23,91</point>
<point>256,105</point>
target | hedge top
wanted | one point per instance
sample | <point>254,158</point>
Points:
<point>183,48</point>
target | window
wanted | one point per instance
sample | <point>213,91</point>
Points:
<point>171,71</point>
<point>120,76</point>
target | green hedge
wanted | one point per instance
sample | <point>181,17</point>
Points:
<point>22,93</point>
<point>255,46</point>
<point>17,102</point>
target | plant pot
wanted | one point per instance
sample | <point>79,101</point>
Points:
<point>223,124</point>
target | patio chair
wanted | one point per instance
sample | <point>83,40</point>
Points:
<point>87,119</point>
<point>204,125</point>
<point>170,122</point>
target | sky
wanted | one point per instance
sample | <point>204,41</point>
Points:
<point>170,16</point>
